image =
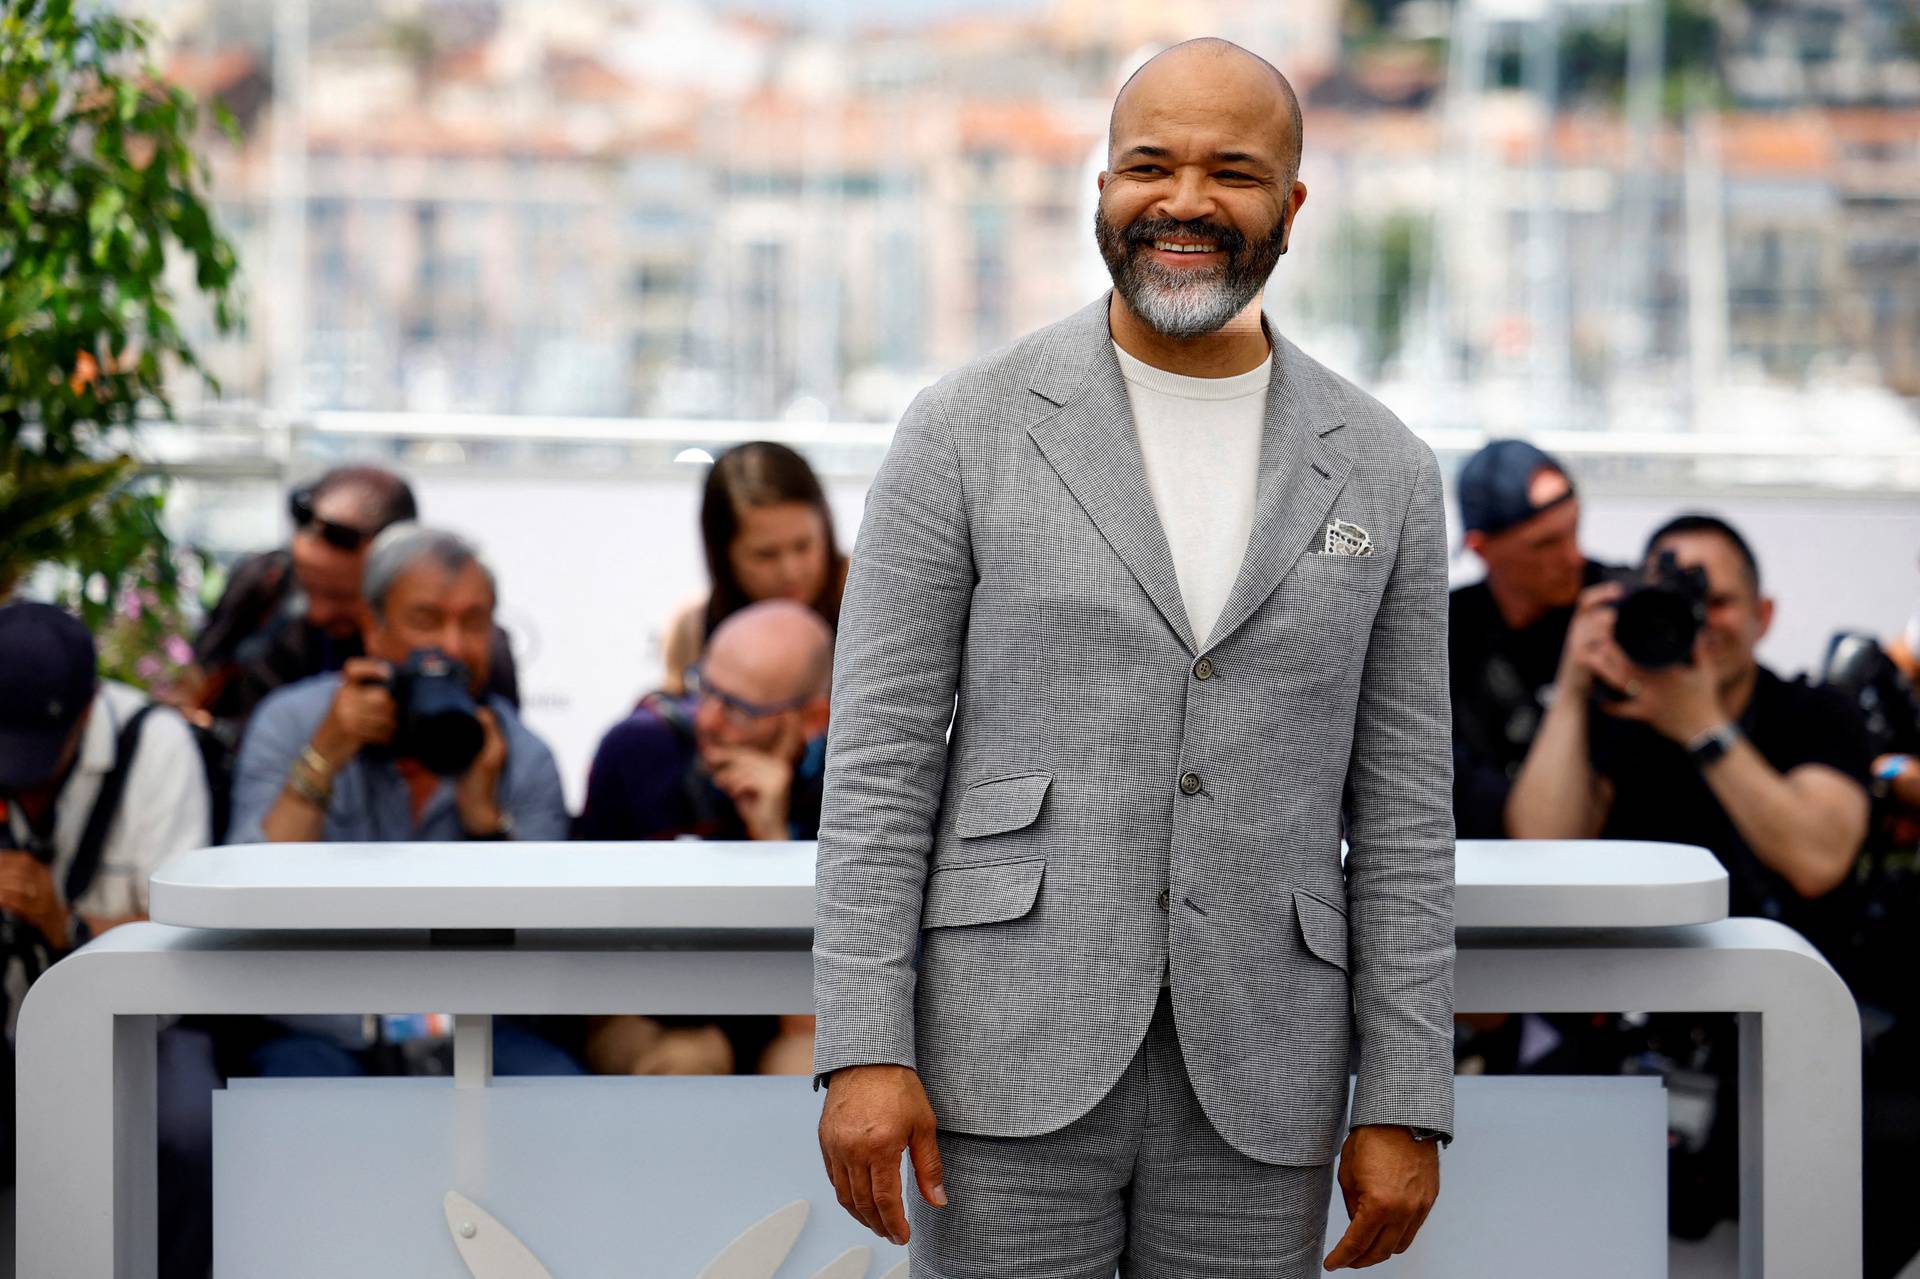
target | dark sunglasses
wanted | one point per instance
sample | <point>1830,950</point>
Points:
<point>743,711</point>
<point>344,536</point>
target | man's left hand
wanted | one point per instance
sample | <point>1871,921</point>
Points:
<point>474,794</point>
<point>1389,1182</point>
<point>759,785</point>
<point>1678,702</point>
<point>26,890</point>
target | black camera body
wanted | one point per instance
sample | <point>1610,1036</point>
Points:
<point>19,939</point>
<point>1658,618</point>
<point>434,713</point>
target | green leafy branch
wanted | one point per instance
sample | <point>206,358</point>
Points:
<point>100,189</point>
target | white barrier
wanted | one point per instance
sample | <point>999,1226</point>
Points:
<point>719,929</point>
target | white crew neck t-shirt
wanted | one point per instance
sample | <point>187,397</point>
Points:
<point>1200,439</point>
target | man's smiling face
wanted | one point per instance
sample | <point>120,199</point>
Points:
<point>1199,194</point>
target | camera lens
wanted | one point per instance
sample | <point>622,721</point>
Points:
<point>438,723</point>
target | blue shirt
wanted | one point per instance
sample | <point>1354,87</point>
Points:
<point>371,800</point>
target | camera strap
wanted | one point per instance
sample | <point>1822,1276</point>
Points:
<point>113,787</point>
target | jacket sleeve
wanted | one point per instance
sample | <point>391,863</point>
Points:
<point>896,667</point>
<point>1400,837</point>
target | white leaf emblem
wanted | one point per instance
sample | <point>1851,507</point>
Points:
<point>491,1251</point>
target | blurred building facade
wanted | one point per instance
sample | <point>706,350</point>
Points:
<point>1522,212</point>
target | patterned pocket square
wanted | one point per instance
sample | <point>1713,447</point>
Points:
<point>1343,538</point>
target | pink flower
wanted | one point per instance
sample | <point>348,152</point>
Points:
<point>178,650</point>
<point>149,667</point>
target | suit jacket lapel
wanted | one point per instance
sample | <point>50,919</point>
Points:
<point>1091,443</point>
<point>1301,472</point>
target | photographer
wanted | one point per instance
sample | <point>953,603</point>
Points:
<point>1521,516</point>
<point>741,759</point>
<point>1713,749</point>
<point>90,802</point>
<point>299,611</point>
<point>402,744</point>
<point>97,787</point>
<point>1663,726</point>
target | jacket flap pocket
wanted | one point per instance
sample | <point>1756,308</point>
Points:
<point>1001,804</point>
<point>988,894</point>
<point>1323,927</point>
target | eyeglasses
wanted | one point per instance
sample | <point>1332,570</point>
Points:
<point>344,536</point>
<point>741,711</point>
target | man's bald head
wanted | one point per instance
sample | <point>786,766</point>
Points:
<point>773,651</point>
<point>1227,68</point>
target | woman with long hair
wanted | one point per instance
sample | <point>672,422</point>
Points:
<point>768,534</point>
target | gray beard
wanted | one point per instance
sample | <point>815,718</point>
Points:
<point>1183,307</point>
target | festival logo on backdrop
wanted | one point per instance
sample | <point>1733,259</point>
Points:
<point>491,1251</point>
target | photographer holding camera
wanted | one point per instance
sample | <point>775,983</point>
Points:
<point>1697,742</point>
<point>1663,726</point>
<point>97,786</point>
<point>402,744</point>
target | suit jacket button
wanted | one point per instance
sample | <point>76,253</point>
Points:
<point>1166,900</point>
<point>1189,783</point>
<point>1203,669</point>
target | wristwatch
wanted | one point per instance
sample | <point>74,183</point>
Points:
<point>1712,745</point>
<point>1428,1134</point>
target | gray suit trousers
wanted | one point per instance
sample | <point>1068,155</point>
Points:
<point>1142,1184</point>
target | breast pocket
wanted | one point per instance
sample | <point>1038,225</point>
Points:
<point>1334,597</point>
<point>1364,575</point>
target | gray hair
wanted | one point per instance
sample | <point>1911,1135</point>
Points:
<point>401,546</point>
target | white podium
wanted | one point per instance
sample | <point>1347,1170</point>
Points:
<point>586,929</point>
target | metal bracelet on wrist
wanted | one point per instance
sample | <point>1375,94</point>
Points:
<point>319,765</point>
<point>319,794</point>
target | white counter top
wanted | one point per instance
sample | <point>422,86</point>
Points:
<point>351,887</point>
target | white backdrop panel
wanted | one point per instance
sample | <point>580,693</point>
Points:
<point>608,1178</point>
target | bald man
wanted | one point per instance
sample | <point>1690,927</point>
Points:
<point>1148,609</point>
<point>740,758</point>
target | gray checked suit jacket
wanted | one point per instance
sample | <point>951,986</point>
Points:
<point>995,908</point>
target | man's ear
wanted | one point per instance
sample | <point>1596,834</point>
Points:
<point>1476,541</point>
<point>1763,613</point>
<point>813,718</point>
<point>1100,182</point>
<point>1295,198</point>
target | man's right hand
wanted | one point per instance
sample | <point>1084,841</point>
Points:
<point>362,712</point>
<point>1591,653</point>
<point>872,1114</point>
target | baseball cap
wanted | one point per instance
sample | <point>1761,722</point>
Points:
<point>1493,486</point>
<point>47,679</point>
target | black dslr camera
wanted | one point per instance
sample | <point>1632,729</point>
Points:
<point>1660,614</point>
<point>434,713</point>
<point>20,940</point>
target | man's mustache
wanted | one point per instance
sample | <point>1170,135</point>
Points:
<point>1147,230</point>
